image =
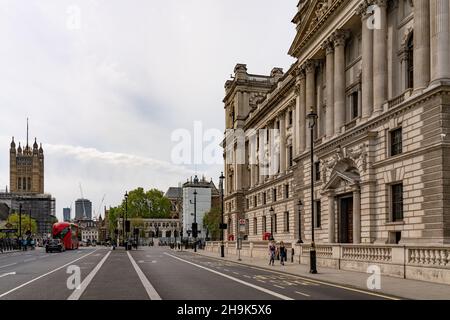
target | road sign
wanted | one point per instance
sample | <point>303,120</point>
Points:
<point>242,224</point>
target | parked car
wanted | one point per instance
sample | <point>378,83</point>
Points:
<point>55,245</point>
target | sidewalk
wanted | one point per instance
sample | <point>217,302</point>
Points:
<point>402,288</point>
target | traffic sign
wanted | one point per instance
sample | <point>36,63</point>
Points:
<point>242,222</point>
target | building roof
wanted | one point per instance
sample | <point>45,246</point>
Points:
<point>4,212</point>
<point>174,192</point>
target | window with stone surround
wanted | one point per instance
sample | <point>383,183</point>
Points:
<point>290,118</point>
<point>396,142</point>
<point>264,198</point>
<point>255,226</point>
<point>248,203</point>
<point>354,103</point>
<point>317,171</point>
<point>397,202</point>
<point>318,214</point>
<point>264,224</point>
<point>274,194</point>
<point>286,221</point>
<point>255,201</point>
<point>410,62</point>
<point>286,191</point>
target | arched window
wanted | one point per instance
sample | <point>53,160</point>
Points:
<point>410,61</point>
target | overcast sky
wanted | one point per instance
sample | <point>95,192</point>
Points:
<point>105,83</point>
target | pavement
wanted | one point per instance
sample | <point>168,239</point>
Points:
<point>159,273</point>
<point>391,286</point>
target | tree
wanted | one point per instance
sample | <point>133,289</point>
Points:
<point>14,220</point>
<point>211,221</point>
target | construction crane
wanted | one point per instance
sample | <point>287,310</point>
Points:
<point>100,206</point>
<point>82,198</point>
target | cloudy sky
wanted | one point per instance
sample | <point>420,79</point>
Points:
<point>106,83</point>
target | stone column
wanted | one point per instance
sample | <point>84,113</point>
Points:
<point>331,219</point>
<point>421,44</point>
<point>356,215</point>
<point>339,38</point>
<point>329,122</point>
<point>440,35</point>
<point>367,63</point>
<point>301,89</point>
<point>282,121</point>
<point>380,58</point>
<point>310,94</point>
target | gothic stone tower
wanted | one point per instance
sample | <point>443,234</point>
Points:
<point>26,169</point>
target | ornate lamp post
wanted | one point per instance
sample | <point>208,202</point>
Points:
<point>299,208</point>
<point>222,246</point>
<point>312,118</point>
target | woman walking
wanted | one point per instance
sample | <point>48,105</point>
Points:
<point>272,249</point>
<point>283,253</point>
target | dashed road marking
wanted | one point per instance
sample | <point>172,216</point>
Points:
<point>247,276</point>
<point>8,265</point>
<point>303,294</point>
<point>275,285</point>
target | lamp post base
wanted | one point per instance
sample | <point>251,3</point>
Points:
<point>222,251</point>
<point>312,257</point>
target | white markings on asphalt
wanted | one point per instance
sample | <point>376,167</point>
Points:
<point>247,276</point>
<point>76,294</point>
<point>275,285</point>
<point>28,260</point>
<point>8,265</point>
<point>7,274</point>
<point>302,294</point>
<point>275,294</point>
<point>141,261</point>
<point>237,273</point>
<point>147,285</point>
<point>226,270</point>
<point>44,275</point>
<point>47,255</point>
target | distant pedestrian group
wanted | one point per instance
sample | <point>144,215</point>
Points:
<point>277,251</point>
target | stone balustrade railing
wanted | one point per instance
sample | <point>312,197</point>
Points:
<point>420,262</point>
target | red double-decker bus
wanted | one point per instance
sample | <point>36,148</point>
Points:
<point>68,233</point>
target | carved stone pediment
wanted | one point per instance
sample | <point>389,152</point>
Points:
<point>340,180</point>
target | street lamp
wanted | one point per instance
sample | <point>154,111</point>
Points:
<point>194,225</point>
<point>299,208</point>
<point>125,221</point>
<point>312,119</point>
<point>222,246</point>
<point>272,212</point>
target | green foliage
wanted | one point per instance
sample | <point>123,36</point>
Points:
<point>151,204</point>
<point>14,220</point>
<point>211,221</point>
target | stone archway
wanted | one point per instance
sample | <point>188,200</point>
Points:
<point>344,203</point>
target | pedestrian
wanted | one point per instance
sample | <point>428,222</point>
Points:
<point>272,249</point>
<point>283,252</point>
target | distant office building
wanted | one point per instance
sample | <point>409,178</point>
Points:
<point>83,209</point>
<point>207,197</point>
<point>66,214</point>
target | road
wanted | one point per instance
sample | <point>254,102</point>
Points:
<point>155,273</point>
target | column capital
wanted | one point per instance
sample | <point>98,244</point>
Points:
<point>339,37</point>
<point>328,46</point>
<point>310,66</point>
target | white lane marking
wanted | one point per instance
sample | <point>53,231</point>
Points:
<point>237,273</point>
<point>8,265</point>
<point>141,261</point>
<point>147,285</point>
<point>303,294</point>
<point>154,261</point>
<point>275,285</point>
<point>283,297</point>
<point>28,260</point>
<point>76,294</point>
<point>312,281</point>
<point>226,270</point>
<point>7,274</point>
<point>46,274</point>
<point>247,276</point>
<point>261,281</point>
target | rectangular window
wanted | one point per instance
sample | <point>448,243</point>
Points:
<point>290,118</point>
<point>274,223</point>
<point>286,191</point>
<point>286,221</point>
<point>264,198</point>
<point>396,142</point>
<point>274,192</point>
<point>264,224</point>
<point>255,226</point>
<point>317,171</point>
<point>291,155</point>
<point>248,203</point>
<point>247,227</point>
<point>397,202</point>
<point>255,201</point>
<point>354,100</point>
<point>19,183</point>
<point>318,214</point>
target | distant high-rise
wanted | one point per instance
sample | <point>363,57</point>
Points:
<point>83,209</point>
<point>66,214</point>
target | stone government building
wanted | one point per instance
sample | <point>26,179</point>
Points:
<point>382,157</point>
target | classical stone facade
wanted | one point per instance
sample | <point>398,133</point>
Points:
<point>377,74</point>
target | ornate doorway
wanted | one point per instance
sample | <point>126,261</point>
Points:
<point>346,219</point>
